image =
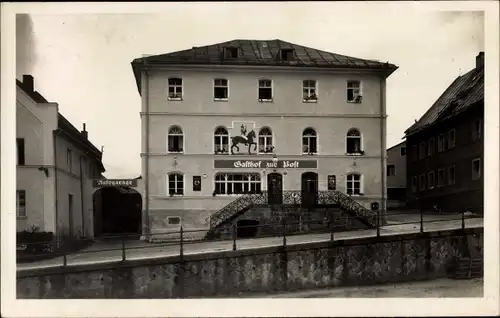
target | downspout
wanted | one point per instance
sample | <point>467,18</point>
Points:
<point>145,220</point>
<point>81,197</point>
<point>56,196</point>
<point>383,151</point>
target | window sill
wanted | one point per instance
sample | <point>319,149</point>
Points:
<point>353,102</point>
<point>354,154</point>
<point>309,153</point>
<point>176,152</point>
<point>265,100</point>
<point>175,196</point>
<point>220,99</point>
<point>174,98</point>
<point>221,154</point>
<point>309,101</point>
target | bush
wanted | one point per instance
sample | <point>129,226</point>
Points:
<point>34,241</point>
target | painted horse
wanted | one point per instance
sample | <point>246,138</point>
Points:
<point>240,140</point>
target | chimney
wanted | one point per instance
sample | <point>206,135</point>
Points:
<point>84,132</point>
<point>29,83</point>
<point>480,60</point>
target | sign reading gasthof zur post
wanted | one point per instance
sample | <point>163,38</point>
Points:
<point>266,164</point>
<point>115,183</point>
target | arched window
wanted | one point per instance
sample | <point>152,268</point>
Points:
<point>175,139</point>
<point>221,141</point>
<point>309,141</point>
<point>353,184</point>
<point>353,141</point>
<point>175,184</point>
<point>237,183</point>
<point>265,140</point>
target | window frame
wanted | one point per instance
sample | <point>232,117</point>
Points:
<point>176,181</point>
<point>440,182</point>
<point>264,100</point>
<point>422,185</point>
<point>476,176</point>
<point>310,98</point>
<point>249,182</point>
<point>266,137</point>
<point>448,174</point>
<point>388,170</point>
<point>358,137</point>
<point>360,181</point>
<point>441,143</point>
<point>176,96</point>
<point>414,184</point>
<point>221,144</point>
<point>231,49</point>
<point>69,159</point>
<point>217,99</point>
<point>309,137</point>
<point>477,129</point>
<point>357,97</point>
<point>431,145</point>
<point>431,182</point>
<point>422,150</point>
<point>181,135</point>
<point>18,204</point>
<point>401,154</point>
<point>449,143</point>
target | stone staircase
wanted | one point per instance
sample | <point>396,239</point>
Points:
<point>291,198</point>
<point>468,268</point>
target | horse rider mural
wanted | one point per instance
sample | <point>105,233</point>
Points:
<point>244,133</point>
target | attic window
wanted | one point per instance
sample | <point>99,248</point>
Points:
<point>231,53</point>
<point>286,54</point>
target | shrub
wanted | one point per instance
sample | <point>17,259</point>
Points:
<point>34,241</point>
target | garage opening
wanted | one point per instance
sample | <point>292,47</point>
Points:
<point>247,228</point>
<point>117,210</point>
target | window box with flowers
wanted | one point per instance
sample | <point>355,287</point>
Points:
<point>310,99</point>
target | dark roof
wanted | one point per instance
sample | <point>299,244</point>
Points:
<point>65,125</point>
<point>399,144</point>
<point>465,91</point>
<point>259,53</point>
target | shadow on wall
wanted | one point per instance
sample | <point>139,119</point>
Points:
<point>117,210</point>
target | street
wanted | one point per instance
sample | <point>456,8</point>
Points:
<point>111,251</point>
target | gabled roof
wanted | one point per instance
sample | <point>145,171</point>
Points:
<point>259,53</point>
<point>64,124</point>
<point>464,92</point>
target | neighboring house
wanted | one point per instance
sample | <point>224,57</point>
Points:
<point>445,148</point>
<point>396,176</point>
<point>55,165</point>
<point>322,115</point>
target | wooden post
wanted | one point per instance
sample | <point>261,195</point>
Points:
<point>234,237</point>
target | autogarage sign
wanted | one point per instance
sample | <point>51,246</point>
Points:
<point>266,164</point>
<point>115,183</point>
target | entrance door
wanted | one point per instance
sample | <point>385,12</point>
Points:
<point>309,189</point>
<point>275,188</point>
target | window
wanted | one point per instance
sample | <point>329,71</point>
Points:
<point>309,93</point>
<point>353,184</point>
<point>440,177</point>
<point>237,183</point>
<point>221,89</point>
<point>422,182</point>
<point>265,140</point>
<point>414,184</point>
<point>414,153</point>
<point>430,147</point>
<point>451,175</point>
<point>476,169</point>
<point>451,138</point>
<point>421,151</point>
<point>21,157</point>
<point>354,91</point>
<point>431,180</point>
<point>69,159</point>
<point>309,141</point>
<point>175,184</point>
<point>175,139</point>
<point>403,151</point>
<point>231,53</point>
<point>286,54</point>
<point>265,90</point>
<point>175,88</point>
<point>173,220</point>
<point>477,129</point>
<point>353,141</point>
<point>440,146</point>
<point>21,203</point>
<point>221,141</point>
<point>391,170</point>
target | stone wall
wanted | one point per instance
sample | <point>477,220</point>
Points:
<point>313,265</point>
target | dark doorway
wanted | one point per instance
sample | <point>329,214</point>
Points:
<point>309,189</point>
<point>117,210</point>
<point>275,188</point>
<point>247,228</point>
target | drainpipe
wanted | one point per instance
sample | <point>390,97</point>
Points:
<point>81,196</point>
<point>383,149</point>
<point>145,216</point>
<point>56,196</point>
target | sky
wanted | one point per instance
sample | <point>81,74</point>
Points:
<point>82,61</point>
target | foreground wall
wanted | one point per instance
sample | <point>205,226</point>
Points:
<point>313,265</point>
